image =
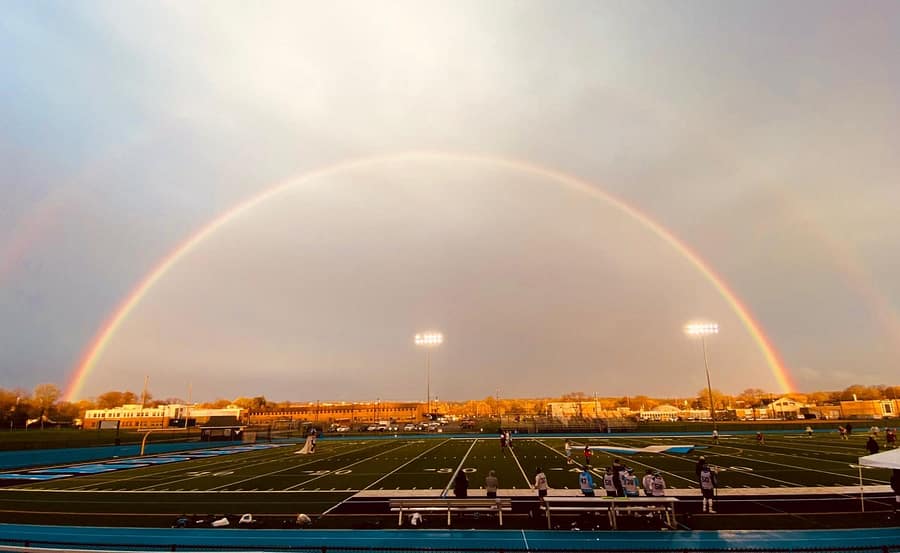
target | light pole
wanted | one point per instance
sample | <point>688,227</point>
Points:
<point>428,340</point>
<point>703,330</point>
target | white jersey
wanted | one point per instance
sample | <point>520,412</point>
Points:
<point>609,483</point>
<point>630,483</point>
<point>707,480</point>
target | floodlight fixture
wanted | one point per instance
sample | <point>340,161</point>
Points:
<point>428,340</point>
<point>704,329</point>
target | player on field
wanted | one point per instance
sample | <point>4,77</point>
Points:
<point>843,433</point>
<point>708,482</point>
<point>890,438</point>
<point>872,446</point>
<point>760,439</point>
<point>587,454</point>
<point>715,437</point>
<point>569,452</point>
<point>809,431</point>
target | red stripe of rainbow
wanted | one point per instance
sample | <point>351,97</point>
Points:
<point>106,332</point>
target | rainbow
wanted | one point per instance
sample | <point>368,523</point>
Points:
<point>107,331</point>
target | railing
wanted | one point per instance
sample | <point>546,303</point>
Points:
<point>31,546</point>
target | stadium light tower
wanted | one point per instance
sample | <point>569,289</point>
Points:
<point>703,330</point>
<point>428,340</point>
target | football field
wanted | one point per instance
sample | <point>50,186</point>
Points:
<point>272,479</point>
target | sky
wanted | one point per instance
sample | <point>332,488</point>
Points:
<point>504,172</point>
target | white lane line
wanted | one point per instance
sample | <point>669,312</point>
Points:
<point>458,468</point>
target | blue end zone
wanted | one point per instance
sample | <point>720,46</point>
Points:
<point>125,464</point>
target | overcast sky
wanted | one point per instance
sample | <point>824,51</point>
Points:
<point>765,135</point>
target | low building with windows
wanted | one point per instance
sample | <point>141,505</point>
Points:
<point>330,413</point>
<point>136,416</point>
<point>870,409</point>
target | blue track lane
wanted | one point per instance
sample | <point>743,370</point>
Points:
<point>150,538</point>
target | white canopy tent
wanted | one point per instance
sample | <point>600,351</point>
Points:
<point>889,459</point>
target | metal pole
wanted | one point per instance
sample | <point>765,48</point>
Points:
<point>712,409</point>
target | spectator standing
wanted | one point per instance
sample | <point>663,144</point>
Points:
<point>491,484</point>
<point>540,482</point>
<point>618,471</point>
<point>461,484</point>
<point>586,482</point>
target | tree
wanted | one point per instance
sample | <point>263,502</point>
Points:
<point>858,391</point>
<point>752,396</point>
<point>45,398</point>
<point>719,398</point>
<point>108,400</point>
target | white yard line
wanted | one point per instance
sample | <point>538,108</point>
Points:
<point>459,467</point>
<point>309,462</point>
<point>346,466</point>
<point>525,476</point>
<point>525,539</point>
<point>631,461</point>
<point>214,461</point>
<point>417,457</point>
<point>808,469</point>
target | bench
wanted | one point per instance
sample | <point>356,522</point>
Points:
<point>614,506</point>
<point>452,505</point>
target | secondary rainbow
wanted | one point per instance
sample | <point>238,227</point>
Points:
<point>107,331</point>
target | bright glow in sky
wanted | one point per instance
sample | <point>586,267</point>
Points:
<point>763,134</point>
